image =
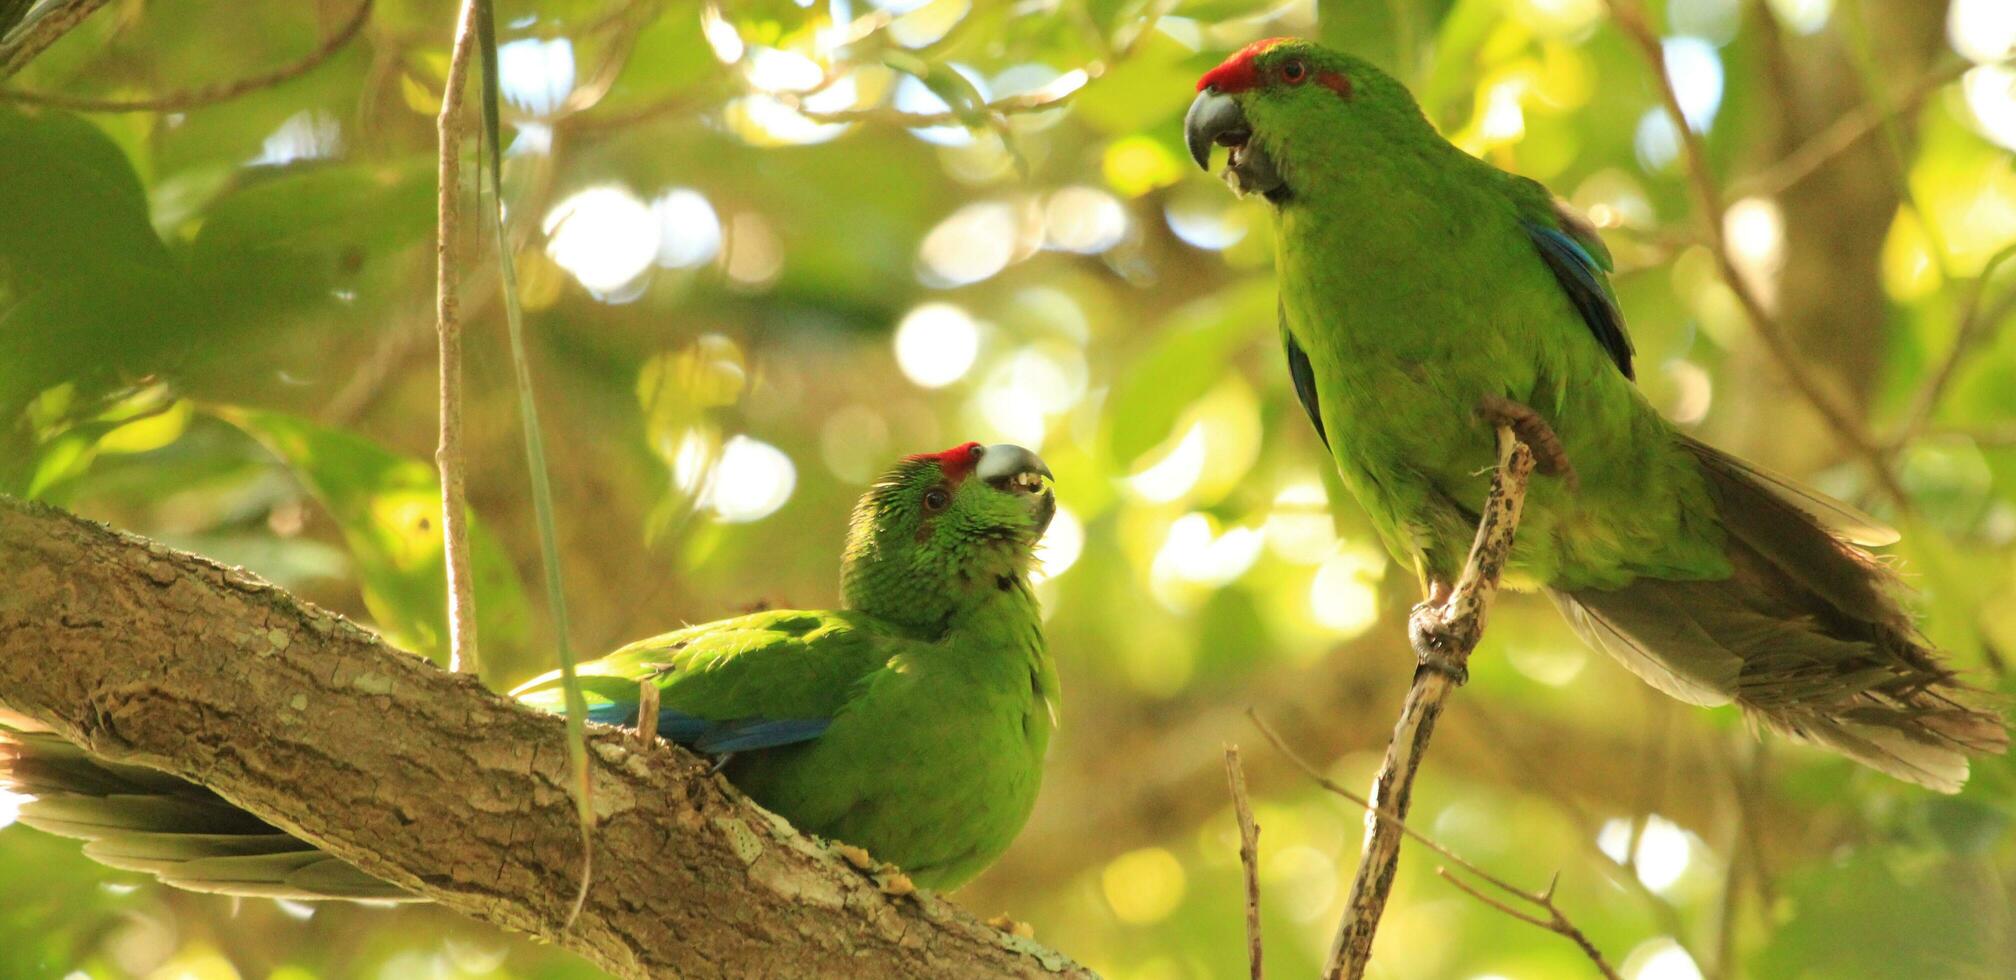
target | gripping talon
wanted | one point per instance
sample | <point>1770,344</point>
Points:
<point>1548,455</point>
<point>1435,646</point>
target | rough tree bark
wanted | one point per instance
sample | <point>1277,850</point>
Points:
<point>151,656</point>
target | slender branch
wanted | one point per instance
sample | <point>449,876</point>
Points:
<point>2000,435</point>
<point>1472,891</point>
<point>1499,740</point>
<point>209,94</point>
<point>149,656</point>
<point>1843,133</point>
<point>1977,323</point>
<point>1556,922</point>
<point>448,457</point>
<point>647,711</point>
<point>32,36</point>
<point>1249,855</point>
<point>1050,96</point>
<point>1845,425</point>
<point>1452,631</point>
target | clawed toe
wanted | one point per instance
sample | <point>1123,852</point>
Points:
<point>1549,457</point>
<point>1436,647</point>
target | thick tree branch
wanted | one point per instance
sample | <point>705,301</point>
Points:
<point>150,656</point>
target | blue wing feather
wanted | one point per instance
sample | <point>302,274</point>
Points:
<point>716,737</point>
<point>1304,377</point>
<point>1583,277</point>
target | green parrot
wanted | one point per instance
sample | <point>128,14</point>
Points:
<point>1427,297</point>
<point>913,722</point>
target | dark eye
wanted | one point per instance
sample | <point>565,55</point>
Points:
<point>1293,71</point>
<point>935,499</point>
<point>977,450</point>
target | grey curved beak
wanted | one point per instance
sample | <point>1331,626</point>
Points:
<point>1011,467</point>
<point>1017,470</point>
<point>1214,117</point>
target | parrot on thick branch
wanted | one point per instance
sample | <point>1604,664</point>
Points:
<point>912,722</point>
<point>1428,298</point>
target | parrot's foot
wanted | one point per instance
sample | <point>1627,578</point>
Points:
<point>888,878</point>
<point>856,856</point>
<point>1437,645</point>
<point>1020,930</point>
<point>1548,455</point>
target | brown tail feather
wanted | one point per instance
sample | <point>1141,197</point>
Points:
<point>1808,635</point>
<point>137,819</point>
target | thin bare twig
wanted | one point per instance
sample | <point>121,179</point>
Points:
<point>32,36</point>
<point>1457,626</point>
<point>2001,435</point>
<point>1249,855</point>
<point>209,94</point>
<point>1663,911</point>
<point>647,711</point>
<point>1050,96</point>
<point>1842,134</point>
<point>1844,423</point>
<point>462,656</point>
<point>1977,323</point>
<point>1556,921</point>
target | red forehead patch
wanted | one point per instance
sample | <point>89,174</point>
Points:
<point>1238,73</point>
<point>956,463</point>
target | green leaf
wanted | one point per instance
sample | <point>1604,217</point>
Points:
<point>88,293</point>
<point>292,239</point>
<point>1187,358</point>
<point>389,509</point>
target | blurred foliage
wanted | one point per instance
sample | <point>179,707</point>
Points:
<point>767,247</point>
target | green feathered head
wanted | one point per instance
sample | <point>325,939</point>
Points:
<point>940,532</point>
<point>1293,112</point>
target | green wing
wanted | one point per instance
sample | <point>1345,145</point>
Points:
<point>757,681</point>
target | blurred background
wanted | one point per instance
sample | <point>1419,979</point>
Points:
<point>765,248</point>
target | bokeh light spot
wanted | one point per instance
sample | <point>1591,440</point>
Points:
<point>1062,543</point>
<point>972,244</point>
<point>1342,597</point>
<point>689,232</point>
<point>1695,70</point>
<point>936,344</point>
<point>1143,886</point>
<point>603,236</point>
<point>536,74</point>
<point>751,481</point>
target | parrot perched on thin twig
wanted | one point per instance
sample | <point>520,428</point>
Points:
<point>1427,298</point>
<point>912,723</point>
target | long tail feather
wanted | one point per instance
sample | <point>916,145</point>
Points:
<point>1808,635</point>
<point>137,819</point>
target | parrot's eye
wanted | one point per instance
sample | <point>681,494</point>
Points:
<point>1293,71</point>
<point>977,450</point>
<point>936,498</point>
